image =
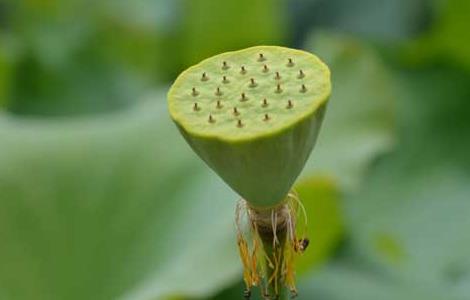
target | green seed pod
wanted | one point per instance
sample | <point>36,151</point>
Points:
<point>253,116</point>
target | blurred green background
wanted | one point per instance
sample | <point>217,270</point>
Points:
<point>100,198</point>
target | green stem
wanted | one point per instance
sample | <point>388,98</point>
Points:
<point>273,250</point>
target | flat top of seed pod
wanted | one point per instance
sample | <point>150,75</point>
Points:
<point>250,93</point>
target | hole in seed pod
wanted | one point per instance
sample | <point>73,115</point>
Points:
<point>204,77</point>
<point>290,62</point>
<point>243,70</point>
<point>243,97</point>
<point>252,83</point>
<point>219,104</point>
<point>225,79</point>
<point>211,119</point>
<point>196,107</point>
<point>266,117</point>
<point>289,104</point>
<point>194,92</point>
<point>261,57</point>
<point>265,103</point>
<point>303,89</point>
<point>265,69</point>
<point>301,74</point>
<point>235,111</point>
<point>278,76</point>
<point>240,123</point>
<point>225,65</point>
<point>278,89</point>
<point>218,92</point>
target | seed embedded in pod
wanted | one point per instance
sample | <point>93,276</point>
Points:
<point>265,103</point>
<point>211,119</point>
<point>290,62</point>
<point>278,89</point>
<point>253,83</point>
<point>194,92</point>
<point>235,111</point>
<point>240,123</point>
<point>196,107</point>
<point>289,104</point>
<point>303,89</point>
<point>225,66</point>
<point>204,77</point>
<point>261,57</point>
<point>301,74</point>
<point>266,117</point>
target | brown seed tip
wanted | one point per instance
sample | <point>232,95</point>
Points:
<point>278,76</point>
<point>218,92</point>
<point>225,65</point>
<point>261,57</point>
<point>244,97</point>
<point>303,89</point>
<point>265,68</point>
<point>219,104</point>
<point>266,117</point>
<point>290,62</point>
<point>235,111</point>
<point>301,74</point>
<point>289,104</point>
<point>239,123</point>
<point>196,107</point>
<point>252,82</point>
<point>265,102</point>
<point>243,70</point>
<point>224,79</point>
<point>204,77</point>
<point>211,119</point>
<point>195,92</point>
<point>278,88</point>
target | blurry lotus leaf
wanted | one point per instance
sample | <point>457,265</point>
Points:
<point>325,228</point>
<point>103,208</point>
<point>447,38</point>
<point>253,116</point>
<point>360,124</point>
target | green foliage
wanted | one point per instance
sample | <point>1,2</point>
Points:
<point>103,209</point>
<point>325,228</point>
<point>448,39</point>
<point>359,123</point>
<point>212,27</point>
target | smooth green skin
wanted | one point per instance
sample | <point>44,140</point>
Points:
<point>262,158</point>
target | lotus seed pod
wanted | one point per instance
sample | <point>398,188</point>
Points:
<point>253,116</point>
